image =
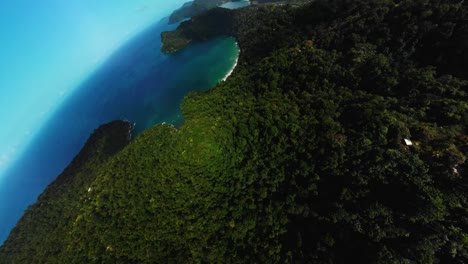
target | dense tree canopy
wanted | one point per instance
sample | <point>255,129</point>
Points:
<point>299,157</point>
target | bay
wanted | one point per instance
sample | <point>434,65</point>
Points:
<point>235,5</point>
<point>137,83</point>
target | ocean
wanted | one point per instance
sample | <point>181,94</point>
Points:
<point>136,83</point>
<point>235,5</point>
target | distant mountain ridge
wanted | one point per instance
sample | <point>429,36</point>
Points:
<point>197,7</point>
<point>194,8</point>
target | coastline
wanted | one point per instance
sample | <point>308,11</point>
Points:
<point>233,67</point>
<point>46,139</point>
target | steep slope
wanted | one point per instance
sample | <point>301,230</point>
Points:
<point>302,156</point>
<point>40,233</point>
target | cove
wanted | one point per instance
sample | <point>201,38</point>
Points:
<point>235,5</point>
<point>137,83</point>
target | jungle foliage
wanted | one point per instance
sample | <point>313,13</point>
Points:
<point>299,157</point>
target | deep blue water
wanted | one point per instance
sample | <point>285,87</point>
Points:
<point>138,83</point>
<point>49,47</point>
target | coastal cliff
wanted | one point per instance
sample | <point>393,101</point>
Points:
<point>341,136</point>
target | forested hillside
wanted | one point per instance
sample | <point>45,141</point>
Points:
<point>42,229</point>
<point>341,137</point>
<point>194,8</point>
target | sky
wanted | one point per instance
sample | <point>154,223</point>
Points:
<point>49,47</point>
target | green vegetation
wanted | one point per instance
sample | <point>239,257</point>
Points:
<point>42,230</point>
<point>217,21</point>
<point>194,8</point>
<point>299,157</point>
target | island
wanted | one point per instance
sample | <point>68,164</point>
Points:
<point>194,8</point>
<point>340,137</point>
<point>198,7</point>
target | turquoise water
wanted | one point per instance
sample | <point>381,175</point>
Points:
<point>137,83</point>
<point>235,5</point>
<point>49,47</point>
